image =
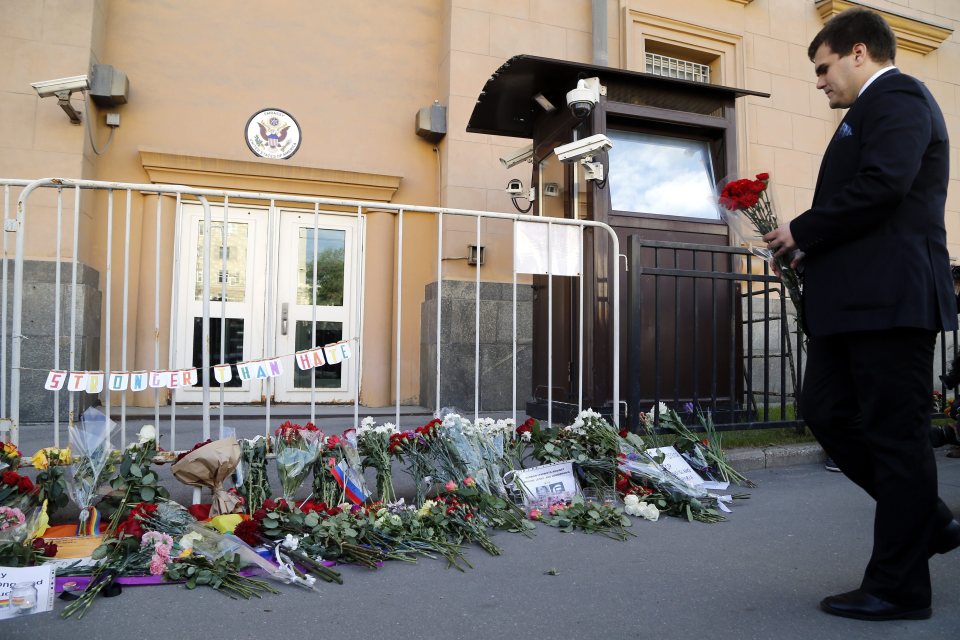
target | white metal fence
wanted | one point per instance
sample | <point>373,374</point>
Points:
<point>169,223</point>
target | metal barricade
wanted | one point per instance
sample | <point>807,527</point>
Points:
<point>169,224</point>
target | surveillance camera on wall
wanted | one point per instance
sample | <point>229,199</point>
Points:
<point>582,99</point>
<point>585,148</point>
<point>47,88</point>
<point>520,155</point>
<point>515,188</point>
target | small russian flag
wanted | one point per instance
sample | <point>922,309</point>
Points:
<point>349,482</point>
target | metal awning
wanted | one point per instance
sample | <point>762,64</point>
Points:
<point>507,105</point>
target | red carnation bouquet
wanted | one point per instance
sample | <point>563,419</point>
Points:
<point>752,199</point>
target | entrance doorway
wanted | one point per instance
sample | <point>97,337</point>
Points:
<point>307,246</point>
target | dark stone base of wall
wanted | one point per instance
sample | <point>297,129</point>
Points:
<point>39,340</point>
<point>458,348</point>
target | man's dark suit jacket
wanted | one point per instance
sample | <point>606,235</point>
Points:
<point>875,243</point>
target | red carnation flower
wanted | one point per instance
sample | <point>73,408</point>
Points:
<point>24,485</point>
<point>249,532</point>
<point>259,514</point>
<point>10,478</point>
<point>763,176</point>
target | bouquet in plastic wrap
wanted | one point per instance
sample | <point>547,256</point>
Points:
<point>90,453</point>
<point>296,448</point>
<point>373,442</point>
<point>348,472</point>
<point>642,476</point>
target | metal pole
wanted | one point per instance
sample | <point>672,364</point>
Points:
<point>399,314</point>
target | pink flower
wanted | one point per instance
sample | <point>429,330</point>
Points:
<point>469,481</point>
<point>450,486</point>
<point>157,565</point>
<point>535,514</point>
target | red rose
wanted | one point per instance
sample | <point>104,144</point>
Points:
<point>259,514</point>
<point>10,478</point>
<point>282,505</point>
<point>333,511</point>
<point>269,504</point>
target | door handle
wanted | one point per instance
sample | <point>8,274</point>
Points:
<point>284,314</point>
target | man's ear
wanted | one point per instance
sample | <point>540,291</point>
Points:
<point>860,54</point>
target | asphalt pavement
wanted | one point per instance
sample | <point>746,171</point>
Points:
<point>804,534</point>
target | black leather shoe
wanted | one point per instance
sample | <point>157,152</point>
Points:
<point>860,605</point>
<point>946,538</point>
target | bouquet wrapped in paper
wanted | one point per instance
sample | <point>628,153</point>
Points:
<point>208,466</point>
<point>90,453</point>
<point>296,448</point>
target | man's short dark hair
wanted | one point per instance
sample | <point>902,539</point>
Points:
<point>855,25</point>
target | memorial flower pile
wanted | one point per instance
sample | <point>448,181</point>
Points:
<point>464,494</point>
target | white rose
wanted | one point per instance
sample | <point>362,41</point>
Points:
<point>649,512</point>
<point>631,500</point>
<point>147,433</point>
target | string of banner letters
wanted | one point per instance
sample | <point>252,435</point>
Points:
<point>97,381</point>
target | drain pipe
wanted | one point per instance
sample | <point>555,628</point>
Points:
<point>599,16</point>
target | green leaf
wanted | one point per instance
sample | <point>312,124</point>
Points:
<point>270,523</point>
<point>136,471</point>
<point>311,520</point>
<point>593,513</point>
<point>147,494</point>
<point>149,478</point>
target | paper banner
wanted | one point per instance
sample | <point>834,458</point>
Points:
<point>310,359</point>
<point>55,380</point>
<point>333,353</point>
<point>95,382</point>
<point>138,380</point>
<point>222,373</point>
<point>530,249</point>
<point>118,380</point>
<point>77,381</point>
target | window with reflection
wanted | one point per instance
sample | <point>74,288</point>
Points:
<point>661,175</point>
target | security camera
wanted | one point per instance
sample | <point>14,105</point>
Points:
<point>515,188</point>
<point>48,88</point>
<point>582,99</point>
<point>62,88</point>
<point>520,155</point>
<point>581,149</point>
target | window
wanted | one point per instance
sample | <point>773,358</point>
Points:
<point>676,68</point>
<point>661,175</point>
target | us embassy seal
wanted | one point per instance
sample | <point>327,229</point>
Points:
<point>273,133</point>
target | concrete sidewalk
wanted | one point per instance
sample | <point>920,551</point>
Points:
<point>805,533</point>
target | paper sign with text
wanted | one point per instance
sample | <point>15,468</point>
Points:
<point>25,590</point>
<point>545,482</point>
<point>675,464</point>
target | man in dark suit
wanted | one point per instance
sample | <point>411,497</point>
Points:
<point>876,290</point>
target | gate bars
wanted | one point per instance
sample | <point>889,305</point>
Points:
<point>10,404</point>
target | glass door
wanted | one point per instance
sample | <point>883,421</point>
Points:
<point>242,304</point>
<point>316,304</point>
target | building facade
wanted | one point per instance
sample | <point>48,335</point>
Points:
<point>353,75</point>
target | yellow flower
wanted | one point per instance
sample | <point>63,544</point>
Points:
<point>39,460</point>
